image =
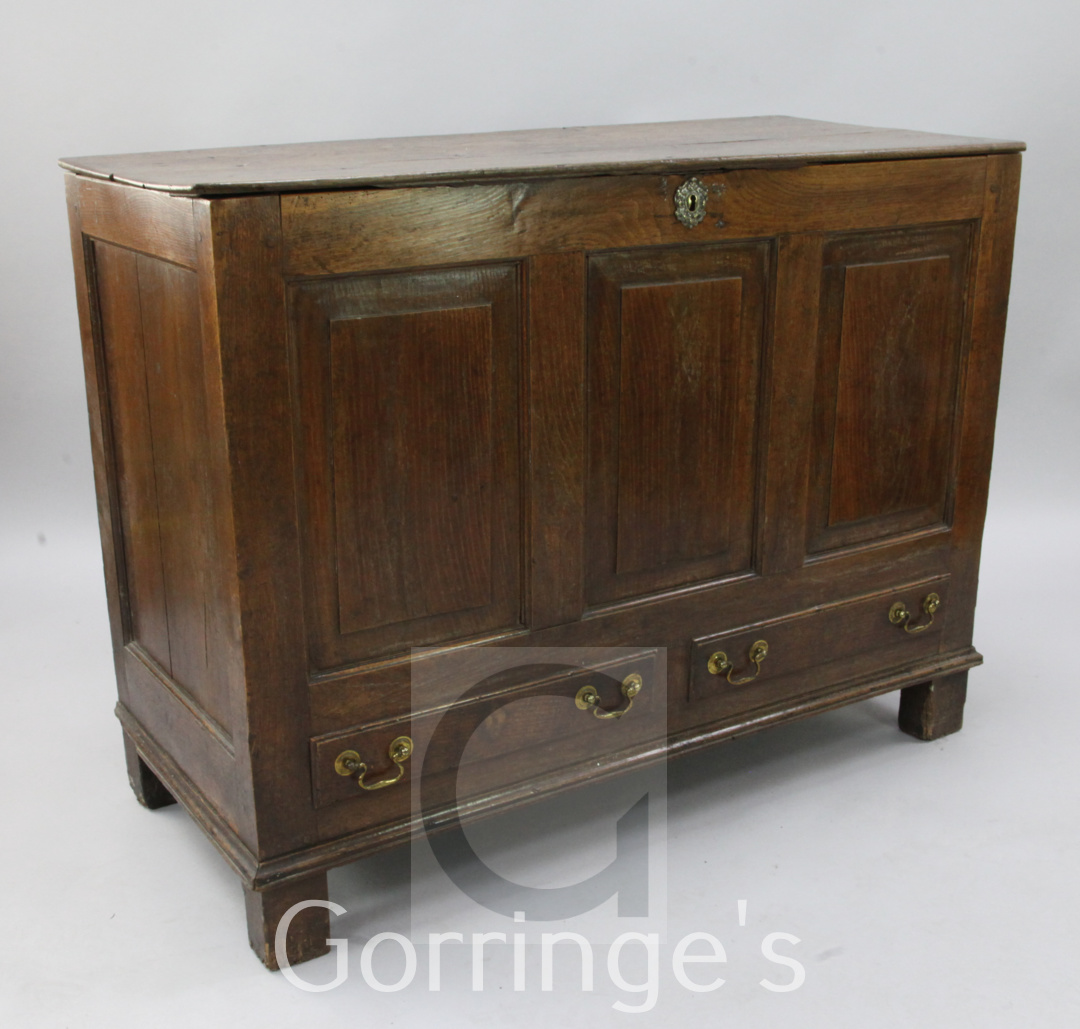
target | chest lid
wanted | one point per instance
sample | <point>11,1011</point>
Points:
<point>773,141</point>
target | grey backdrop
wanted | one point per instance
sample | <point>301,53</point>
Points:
<point>115,76</point>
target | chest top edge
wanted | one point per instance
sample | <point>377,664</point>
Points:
<point>660,147</point>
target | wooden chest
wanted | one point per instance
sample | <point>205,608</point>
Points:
<point>721,387</point>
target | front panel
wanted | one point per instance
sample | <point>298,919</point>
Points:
<point>406,401</point>
<point>891,336</point>
<point>675,339</point>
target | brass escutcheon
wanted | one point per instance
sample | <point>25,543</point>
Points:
<point>588,699</point>
<point>720,665</point>
<point>348,763</point>
<point>690,200</point>
<point>900,615</point>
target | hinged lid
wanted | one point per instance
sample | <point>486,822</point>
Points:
<point>538,153</point>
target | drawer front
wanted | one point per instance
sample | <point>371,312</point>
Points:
<point>500,733</point>
<point>825,647</point>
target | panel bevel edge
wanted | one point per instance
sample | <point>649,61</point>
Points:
<point>524,440</point>
<point>526,486</point>
<point>308,597</point>
<point>763,417</point>
<point>878,543</point>
<point>106,457</point>
<point>960,386</point>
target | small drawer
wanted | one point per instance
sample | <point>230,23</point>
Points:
<point>495,736</point>
<point>832,645</point>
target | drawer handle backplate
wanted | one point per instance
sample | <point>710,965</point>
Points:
<point>588,699</point>
<point>720,665</point>
<point>348,763</point>
<point>900,615</point>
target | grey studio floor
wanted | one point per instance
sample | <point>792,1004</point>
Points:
<point>928,884</point>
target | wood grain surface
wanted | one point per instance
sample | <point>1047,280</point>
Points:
<point>350,399</point>
<point>548,153</point>
<point>371,230</point>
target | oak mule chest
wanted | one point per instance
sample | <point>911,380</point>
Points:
<point>722,387</point>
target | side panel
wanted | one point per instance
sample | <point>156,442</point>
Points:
<point>158,444</point>
<point>151,340</point>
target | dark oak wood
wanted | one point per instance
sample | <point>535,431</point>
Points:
<point>556,439</point>
<point>407,422</point>
<point>161,439</point>
<point>307,931</point>
<point>535,153</point>
<point>524,728</point>
<point>149,790</point>
<point>934,709</point>
<point>814,649</point>
<point>506,399</point>
<point>343,844</point>
<point>244,329</point>
<point>125,361</point>
<point>981,376</point>
<point>361,695</point>
<point>891,334</point>
<point>371,230</point>
<point>141,220</point>
<point>196,792</point>
<point>675,340</point>
<point>790,401</point>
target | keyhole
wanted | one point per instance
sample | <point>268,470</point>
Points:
<point>691,202</point>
